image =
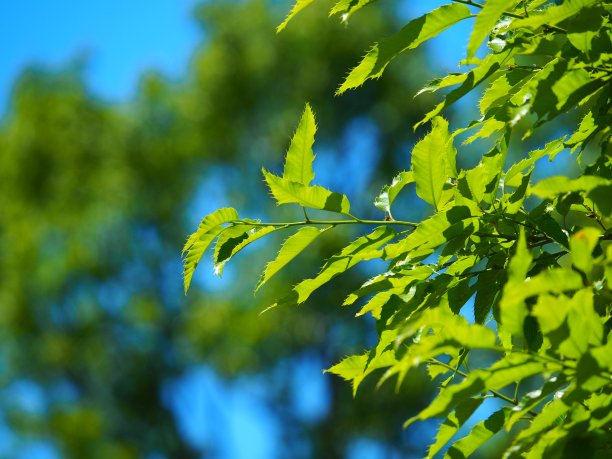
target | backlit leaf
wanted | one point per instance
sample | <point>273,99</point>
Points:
<point>315,197</point>
<point>412,35</point>
<point>290,249</point>
<point>486,20</point>
<point>433,162</point>
<point>297,7</point>
<point>299,159</point>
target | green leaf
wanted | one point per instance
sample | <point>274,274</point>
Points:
<point>389,192</point>
<point>315,197</point>
<point>513,312</point>
<point>483,180</point>
<point>389,280</point>
<point>232,246</point>
<point>299,159</point>
<point>486,20</point>
<point>585,27</point>
<point>552,15</point>
<point>449,397</point>
<point>488,291</point>
<point>585,326</point>
<point>502,88</point>
<point>290,249</point>
<point>362,249</point>
<point>436,84</point>
<point>512,306</point>
<point>551,149</point>
<point>479,435</point>
<point>475,77</point>
<point>412,35</point>
<point>553,186</point>
<point>297,7</point>
<point>218,217</point>
<point>433,162</point>
<point>435,231</point>
<point>581,245</point>
<point>348,7</point>
<point>228,239</point>
<point>453,423</point>
<point>198,242</point>
<point>356,368</point>
<point>548,225</point>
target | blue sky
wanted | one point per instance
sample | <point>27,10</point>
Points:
<point>120,38</point>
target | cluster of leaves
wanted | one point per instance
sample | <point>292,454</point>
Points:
<point>504,292</point>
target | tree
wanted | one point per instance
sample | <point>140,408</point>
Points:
<point>504,291</point>
<point>95,201</point>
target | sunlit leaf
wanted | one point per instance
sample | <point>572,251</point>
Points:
<point>299,159</point>
<point>479,435</point>
<point>412,35</point>
<point>364,248</point>
<point>290,249</point>
<point>486,20</point>
<point>198,242</point>
<point>433,162</point>
<point>297,7</point>
<point>315,197</point>
<point>389,192</point>
<point>453,423</point>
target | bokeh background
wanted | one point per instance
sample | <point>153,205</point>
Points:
<point>123,124</point>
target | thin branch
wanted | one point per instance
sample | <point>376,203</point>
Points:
<point>493,392</point>
<point>356,221</point>
<point>512,15</point>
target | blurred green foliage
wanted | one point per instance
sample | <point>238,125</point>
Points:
<point>94,204</point>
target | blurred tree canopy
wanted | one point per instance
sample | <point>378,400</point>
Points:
<point>95,201</point>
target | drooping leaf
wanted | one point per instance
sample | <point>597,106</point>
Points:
<point>357,367</point>
<point>232,246</point>
<point>435,231</point>
<point>453,423</point>
<point>450,397</point>
<point>412,35</point>
<point>551,149</point>
<point>486,20</point>
<point>198,242</point>
<point>502,88</point>
<point>388,280</point>
<point>364,248</point>
<point>315,197</point>
<point>483,180</point>
<point>475,77</point>
<point>299,159</point>
<point>230,237</point>
<point>297,7</point>
<point>479,435</point>
<point>290,249</point>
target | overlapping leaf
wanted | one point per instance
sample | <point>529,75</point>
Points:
<point>412,35</point>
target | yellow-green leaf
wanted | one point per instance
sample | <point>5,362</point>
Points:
<point>297,7</point>
<point>290,249</point>
<point>433,162</point>
<point>486,20</point>
<point>412,35</point>
<point>315,197</point>
<point>299,159</point>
